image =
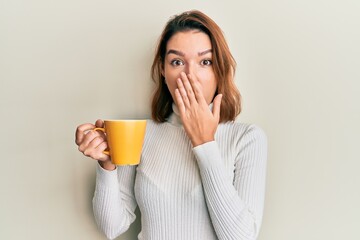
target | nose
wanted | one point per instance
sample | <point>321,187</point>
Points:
<point>190,68</point>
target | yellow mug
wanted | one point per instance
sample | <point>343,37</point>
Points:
<point>125,139</point>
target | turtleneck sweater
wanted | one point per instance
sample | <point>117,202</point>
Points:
<point>212,191</point>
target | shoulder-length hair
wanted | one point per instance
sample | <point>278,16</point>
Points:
<point>223,63</point>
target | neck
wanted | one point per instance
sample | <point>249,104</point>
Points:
<point>175,118</point>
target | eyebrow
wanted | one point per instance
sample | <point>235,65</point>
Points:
<point>204,52</point>
<point>172,51</point>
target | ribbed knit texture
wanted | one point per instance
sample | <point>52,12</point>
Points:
<point>213,191</point>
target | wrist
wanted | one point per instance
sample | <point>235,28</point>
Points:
<point>107,165</point>
<point>197,142</point>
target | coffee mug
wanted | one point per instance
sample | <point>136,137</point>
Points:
<point>125,139</point>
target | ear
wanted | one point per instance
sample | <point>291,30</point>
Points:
<point>162,70</point>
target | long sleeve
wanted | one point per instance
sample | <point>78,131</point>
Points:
<point>235,203</point>
<point>114,202</point>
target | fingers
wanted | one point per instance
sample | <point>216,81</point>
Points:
<point>179,102</point>
<point>87,139</point>
<point>83,128</point>
<point>196,88</point>
<point>80,132</point>
<point>93,145</point>
<point>99,123</point>
<point>95,149</point>
<point>216,106</point>
<point>183,94</point>
<point>188,88</point>
<point>194,84</point>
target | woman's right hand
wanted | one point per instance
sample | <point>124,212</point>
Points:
<point>93,143</point>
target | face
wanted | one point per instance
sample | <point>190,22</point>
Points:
<point>190,52</point>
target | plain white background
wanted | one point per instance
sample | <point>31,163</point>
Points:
<point>63,63</point>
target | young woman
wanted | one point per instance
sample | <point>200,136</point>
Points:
<point>201,175</point>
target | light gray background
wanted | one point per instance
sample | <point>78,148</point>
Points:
<point>63,63</point>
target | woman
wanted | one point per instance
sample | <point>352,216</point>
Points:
<point>201,175</point>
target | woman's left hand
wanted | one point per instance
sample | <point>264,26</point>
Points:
<point>199,121</point>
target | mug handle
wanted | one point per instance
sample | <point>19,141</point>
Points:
<point>102,130</point>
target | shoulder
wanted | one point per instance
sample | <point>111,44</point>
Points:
<point>241,129</point>
<point>152,125</point>
<point>243,132</point>
<point>255,131</point>
<point>155,129</point>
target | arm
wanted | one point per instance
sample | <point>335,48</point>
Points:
<point>235,205</point>
<point>114,202</point>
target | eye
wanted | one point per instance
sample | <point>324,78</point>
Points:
<point>177,62</point>
<point>206,62</point>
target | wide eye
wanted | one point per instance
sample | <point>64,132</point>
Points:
<point>177,62</point>
<point>206,62</point>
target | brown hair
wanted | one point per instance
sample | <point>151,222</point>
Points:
<point>223,63</point>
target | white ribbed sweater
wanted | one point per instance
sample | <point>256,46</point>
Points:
<point>213,191</point>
